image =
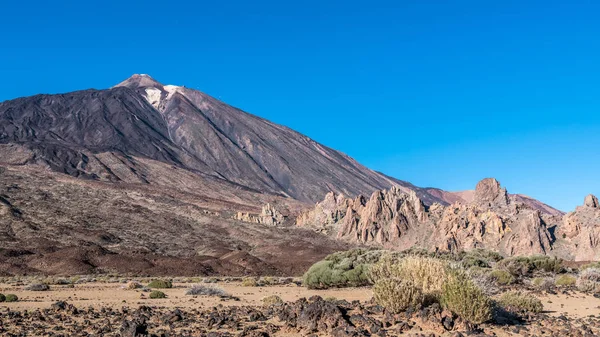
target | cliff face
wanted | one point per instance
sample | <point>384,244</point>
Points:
<point>581,229</point>
<point>493,219</point>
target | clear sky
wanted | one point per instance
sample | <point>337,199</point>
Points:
<point>437,93</point>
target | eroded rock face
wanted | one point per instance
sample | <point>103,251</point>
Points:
<point>581,230</point>
<point>398,220</point>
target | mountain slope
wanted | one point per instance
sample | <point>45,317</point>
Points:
<point>186,128</point>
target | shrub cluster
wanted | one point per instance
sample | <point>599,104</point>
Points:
<point>526,265</point>
<point>11,298</point>
<point>518,302</point>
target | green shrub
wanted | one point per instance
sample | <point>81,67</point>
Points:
<point>518,302</point>
<point>268,281</point>
<point>11,298</point>
<point>2,298</point>
<point>502,277</point>
<point>272,300</point>
<point>479,257</point>
<point>157,294</point>
<point>342,269</point>
<point>249,282</point>
<point>461,296</point>
<point>397,295</point>
<point>160,284</point>
<point>565,280</point>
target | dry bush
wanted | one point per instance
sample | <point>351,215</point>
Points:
<point>427,274</point>
<point>397,295</point>
<point>206,291</point>
<point>589,280</point>
<point>518,302</point>
<point>37,287</point>
<point>461,296</point>
<point>249,282</point>
<point>543,283</point>
<point>272,300</point>
<point>133,285</point>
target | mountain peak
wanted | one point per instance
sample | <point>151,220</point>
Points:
<point>140,81</point>
<point>489,191</point>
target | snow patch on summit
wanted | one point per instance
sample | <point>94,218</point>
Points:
<point>171,89</point>
<point>153,96</point>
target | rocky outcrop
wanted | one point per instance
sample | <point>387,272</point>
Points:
<point>581,230</point>
<point>591,201</point>
<point>399,220</point>
<point>269,215</point>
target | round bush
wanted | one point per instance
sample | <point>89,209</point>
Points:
<point>565,280</point>
<point>2,298</point>
<point>11,298</point>
<point>160,284</point>
<point>271,300</point>
<point>157,294</point>
<point>249,282</point>
<point>397,295</point>
<point>461,296</point>
<point>502,277</point>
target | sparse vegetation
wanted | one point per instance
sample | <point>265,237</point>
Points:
<point>397,295</point>
<point>461,296</point>
<point>133,285</point>
<point>157,294</point>
<point>160,284</point>
<point>37,287</point>
<point>589,280</point>
<point>206,291</point>
<point>518,302</point>
<point>272,300</point>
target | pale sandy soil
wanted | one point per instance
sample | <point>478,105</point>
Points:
<point>113,295</point>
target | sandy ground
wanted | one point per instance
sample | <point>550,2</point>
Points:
<point>114,295</point>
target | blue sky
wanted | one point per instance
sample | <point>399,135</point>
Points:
<point>437,93</point>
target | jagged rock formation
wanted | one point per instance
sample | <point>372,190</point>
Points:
<point>400,220</point>
<point>269,215</point>
<point>581,229</point>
